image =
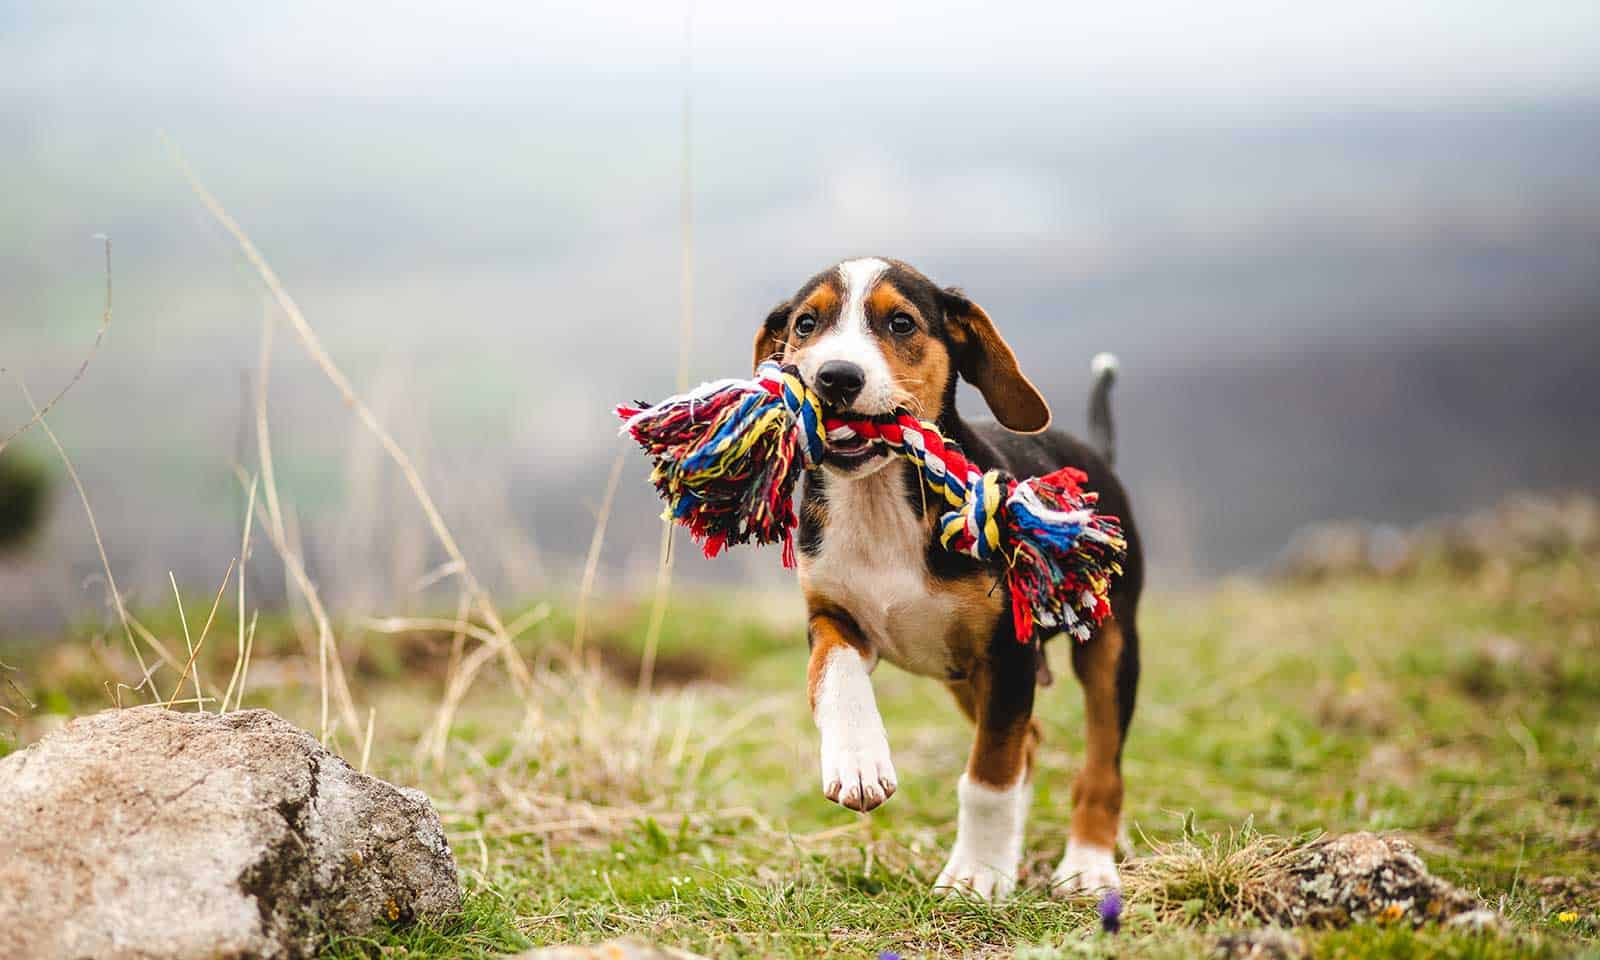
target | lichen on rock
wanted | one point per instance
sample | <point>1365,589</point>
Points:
<point>1365,877</point>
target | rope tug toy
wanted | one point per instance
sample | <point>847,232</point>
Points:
<point>727,455</point>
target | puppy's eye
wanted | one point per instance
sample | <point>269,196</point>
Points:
<point>803,325</point>
<point>902,325</point>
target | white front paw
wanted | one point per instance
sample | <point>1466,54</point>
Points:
<point>1085,869</point>
<point>856,770</point>
<point>966,875</point>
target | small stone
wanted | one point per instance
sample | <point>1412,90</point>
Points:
<point>1480,919</point>
<point>1264,943</point>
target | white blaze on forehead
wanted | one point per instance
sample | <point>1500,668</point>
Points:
<point>858,276</point>
<point>850,338</point>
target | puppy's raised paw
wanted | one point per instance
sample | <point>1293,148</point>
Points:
<point>1086,869</point>
<point>857,772</point>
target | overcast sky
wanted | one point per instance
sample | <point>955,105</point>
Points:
<point>1355,49</point>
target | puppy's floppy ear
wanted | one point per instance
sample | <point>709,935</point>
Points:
<point>769,339</point>
<point>984,359</point>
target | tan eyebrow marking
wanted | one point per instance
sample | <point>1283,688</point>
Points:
<point>885,299</point>
<point>823,301</point>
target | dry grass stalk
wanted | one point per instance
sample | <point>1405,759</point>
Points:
<point>460,679</point>
<point>111,581</point>
<point>187,701</point>
<point>1236,876</point>
<point>447,569</point>
<point>536,615</point>
<point>105,322</point>
<point>366,742</point>
<point>658,611</point>
<point>244,558</point>
<point>195,648</point>
<point>319,355</point>
<point>393,625</point>
<point>328,662</point>
<point>591,563</point>
<point>154,643</point>
<point>244,671</point>
<point>275,514</point>
<point>458,644</point>
<point>210,618</point>
<point>5,671</point>
<point>658,607</point>
<point>437,735</point>
<point>188,644</point>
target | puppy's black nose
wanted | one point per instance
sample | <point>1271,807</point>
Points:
<point>839,382</point>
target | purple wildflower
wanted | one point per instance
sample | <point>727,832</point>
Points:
<point>888,955</point>
<point>1111,911</point>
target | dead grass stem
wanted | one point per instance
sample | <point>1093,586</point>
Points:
<point>244,671</point>
<point>591,563</point>
<point>244,558</point>
<point>195,648</point>
<point>1212,877</point>
<point>111,580</point>
<point>658,604</point>
<point>366,741</point>
<point>330,668</point>
<point>313,346</point>
<point>105,323</point>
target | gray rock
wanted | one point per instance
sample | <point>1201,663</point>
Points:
<point>148,833</point>
<point>1364,876</point>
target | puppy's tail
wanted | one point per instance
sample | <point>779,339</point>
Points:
<point>1104,367</point>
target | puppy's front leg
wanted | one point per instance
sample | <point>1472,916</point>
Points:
<point>856,770</point>
<point>994,791</point>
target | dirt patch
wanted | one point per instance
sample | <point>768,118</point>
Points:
<point>1567,893</point>
<point>673,668</point>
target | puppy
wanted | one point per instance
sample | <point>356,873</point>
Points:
<point>868,336</point>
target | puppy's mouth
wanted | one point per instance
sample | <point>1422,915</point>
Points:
<point>849,451</point>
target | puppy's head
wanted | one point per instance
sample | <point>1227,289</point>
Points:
<point>871,335</point>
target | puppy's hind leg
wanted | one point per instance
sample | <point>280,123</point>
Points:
<point>856,769</point>
<point>1108,668</point>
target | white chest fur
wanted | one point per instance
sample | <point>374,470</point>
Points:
<point>873,565</point>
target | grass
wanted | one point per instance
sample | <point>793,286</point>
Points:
<point>1462,712</point>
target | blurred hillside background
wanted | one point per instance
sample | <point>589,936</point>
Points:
<point>1350,262</point>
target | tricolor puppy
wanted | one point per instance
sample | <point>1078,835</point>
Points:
<point>868,336</point>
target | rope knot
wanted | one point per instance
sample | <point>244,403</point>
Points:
<point>803,407</point>
<point>974,527</point>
